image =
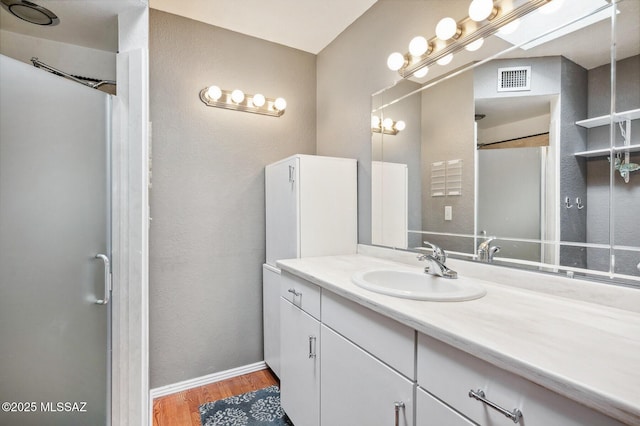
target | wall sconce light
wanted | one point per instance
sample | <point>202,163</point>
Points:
<point>486,17</point>
<point>237,100</point>
<point>386,126</point>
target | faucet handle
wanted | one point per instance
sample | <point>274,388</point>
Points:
<point>492,251</point>
<point>438,252</point>
<point>421,256</point>
<point>484,245</point>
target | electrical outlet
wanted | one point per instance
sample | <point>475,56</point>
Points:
<point>448,213</point>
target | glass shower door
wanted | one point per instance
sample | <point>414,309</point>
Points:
<point>54,220</point>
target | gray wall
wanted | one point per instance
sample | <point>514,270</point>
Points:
<point>626,195</point>
<point>353,67</point>
<point>573,170</point>
<point>448,134</point>
<point>207,202</point>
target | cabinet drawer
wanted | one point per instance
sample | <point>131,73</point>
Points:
<point>301,293</point>
<point>383,337</point>
<point>450,374</point>
<point>357,389</point>
<point>431,412</point>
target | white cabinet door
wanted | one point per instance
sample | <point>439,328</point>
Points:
<point>271,316</point>
<point>328,205</point>
<point>299,365</point>
<point>282,210</point>
<point>357,389</point>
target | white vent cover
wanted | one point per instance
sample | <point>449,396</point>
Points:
<point>513,79</point>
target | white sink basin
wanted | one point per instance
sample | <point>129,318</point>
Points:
<point>418,285</point>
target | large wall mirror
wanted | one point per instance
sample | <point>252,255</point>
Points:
<point>532,147</point>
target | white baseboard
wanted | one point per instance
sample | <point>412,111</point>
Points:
<point>205,380</point>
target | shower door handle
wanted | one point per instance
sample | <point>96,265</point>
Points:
<point>107,279</point>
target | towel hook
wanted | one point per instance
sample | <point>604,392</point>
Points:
<point>567,202</point>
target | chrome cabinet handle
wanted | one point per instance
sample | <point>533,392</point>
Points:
<point>294,292</point>
<point>514,415</point>
<point>397,406</point>
<point>312,346</point>
<point>107,279</point>
<point>292,174</point>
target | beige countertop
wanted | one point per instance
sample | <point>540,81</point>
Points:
<point>586,351</point>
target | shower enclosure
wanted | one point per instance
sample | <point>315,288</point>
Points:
<point>54,249</point>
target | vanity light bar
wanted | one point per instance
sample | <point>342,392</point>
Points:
<point>237,100</point>
<point>387,126</point>
<point>470,32</point>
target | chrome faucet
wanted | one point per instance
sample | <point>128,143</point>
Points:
<point>486,251</point>
<point>436,262</point>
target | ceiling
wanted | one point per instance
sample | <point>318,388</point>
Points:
<point>308,25</point>
<point>91,24</point>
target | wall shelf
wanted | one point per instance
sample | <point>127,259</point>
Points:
<point>603,120</point>
<point>606,151</point>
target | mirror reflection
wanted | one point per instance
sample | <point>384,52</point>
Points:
<point>512,159</point>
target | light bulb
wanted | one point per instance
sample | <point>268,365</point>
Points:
<point>445,60</point>
<point>395,61</point>
<point>375,122</point>
<point>472,47</point>
<point>479,10</point>
<point>237,96</point>
<point>446,28</point>
<point>258,100</point>
<point>551,7</point>
<point>387,123</point>
<point>421,72</point>
<point>400,125</point>
<point>510,28</point>
<point>418,46</point>
<point>280,104</point>
<point>214,93</point>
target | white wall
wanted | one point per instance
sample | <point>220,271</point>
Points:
<point>70,58</point>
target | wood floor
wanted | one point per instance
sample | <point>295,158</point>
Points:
<point>181,409</point>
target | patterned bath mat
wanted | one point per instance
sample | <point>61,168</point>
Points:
<point>255,408</point>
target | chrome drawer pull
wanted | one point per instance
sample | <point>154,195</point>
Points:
<point>397,406</point>
<point>514,415</point>
<point>312,346</point>
<point>295,293</point>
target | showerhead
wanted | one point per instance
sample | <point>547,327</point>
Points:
<point>30,12</point>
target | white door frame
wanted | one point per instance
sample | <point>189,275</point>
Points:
<point>130,222</point>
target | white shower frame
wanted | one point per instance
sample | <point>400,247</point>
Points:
<point>130,222</point>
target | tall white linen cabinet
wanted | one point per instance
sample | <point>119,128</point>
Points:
<point>311,210</point>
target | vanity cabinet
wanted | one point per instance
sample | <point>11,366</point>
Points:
<point>299,350</point>
<point>344,364</point>
<point>450,375</point>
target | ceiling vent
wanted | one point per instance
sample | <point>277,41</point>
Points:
<point>513,79</point>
